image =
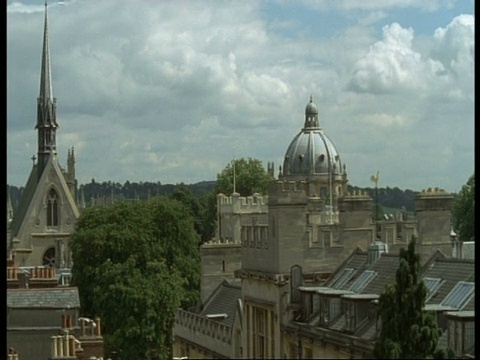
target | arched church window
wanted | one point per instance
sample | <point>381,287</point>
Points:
<point>52,208</point>
<point>49,257</point>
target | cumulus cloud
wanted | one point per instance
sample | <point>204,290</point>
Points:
<point>454,46</point>
<point>392,64</point>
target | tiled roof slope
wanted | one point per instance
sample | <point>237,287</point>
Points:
<point>355,261</point>
<point>385,267</point>
<point>223,301</point>
<point>451,271</point>
<point>43,298</point>
<point>25,200</point>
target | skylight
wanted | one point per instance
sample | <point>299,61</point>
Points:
<point>432,285</point>
<point>459,294</point>
<point>342,278</point>
<point>362,281</point>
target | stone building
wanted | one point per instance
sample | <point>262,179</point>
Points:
<point>296,237</point>
<point>44,317</point>
<point>39,230</point>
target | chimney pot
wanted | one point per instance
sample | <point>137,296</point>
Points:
<point>99,331</point>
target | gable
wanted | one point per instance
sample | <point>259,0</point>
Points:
<point>32,212</point>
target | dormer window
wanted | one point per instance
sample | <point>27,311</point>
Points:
<point>52,208</point>
<point>432,285</point>
<point>342,278</point>
<point>459,295</point>
<point>362,281</point>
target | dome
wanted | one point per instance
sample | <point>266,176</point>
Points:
<point>311,150</point>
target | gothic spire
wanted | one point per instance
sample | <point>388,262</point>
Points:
<point>46,105</point>
<point>46,89</point>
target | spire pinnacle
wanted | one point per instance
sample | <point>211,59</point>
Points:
<point>46,89</point>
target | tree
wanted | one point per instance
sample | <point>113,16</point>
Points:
<point>134,264</point>
<point>250,177</point>
<point>464,211</point>
<point>407,331</point>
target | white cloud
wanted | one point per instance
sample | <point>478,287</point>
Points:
<point>392,64</point>
<point>454,47</point>
<point>163,91</point>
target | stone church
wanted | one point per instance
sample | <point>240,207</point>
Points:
<point>39,230</point>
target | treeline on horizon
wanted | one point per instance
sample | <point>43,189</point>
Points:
<point>388,198</point>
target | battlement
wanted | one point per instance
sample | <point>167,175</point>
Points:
<point>221,243</point>
<point>357,194</point>
<point>241,204</point>
<point>433,192</point>
<point>288,191</point>
<point>280,186</point>
<point>433,199</point>
<point>197,324</point>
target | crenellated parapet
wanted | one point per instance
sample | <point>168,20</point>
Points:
<point>288,192</point>
<point>198,325</point>
<point>236,204</point>
<point>433,199</point>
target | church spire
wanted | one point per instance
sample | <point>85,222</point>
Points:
<point>46,105</point>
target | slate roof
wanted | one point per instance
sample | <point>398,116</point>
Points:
<point>223,300</point>
<point>355,261</point>
<point>57,298</point>
<point>451,271</point>
<point>25,200</point>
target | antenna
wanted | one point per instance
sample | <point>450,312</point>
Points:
<point>374,178</point>
<point>234,169</point>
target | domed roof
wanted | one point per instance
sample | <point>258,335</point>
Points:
<point>311,150</point>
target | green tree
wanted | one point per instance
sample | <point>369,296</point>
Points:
<point>250,177</point>
<point>464,211</point>
<point>134,264</point>
<point>407,331</point>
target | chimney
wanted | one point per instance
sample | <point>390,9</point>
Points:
<point>99,332</point>
<point>82,324</point>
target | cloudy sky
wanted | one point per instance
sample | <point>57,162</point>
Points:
<point>171,91</point>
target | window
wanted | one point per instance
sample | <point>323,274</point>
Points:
<point>330,309</point>
<point>260,332</point>
<point>362,281</point>
<point>49,258</point>
<point>52,208</point>
<point>432,285</point>
<point>342,278</point>
<point>459,294</point>
<point>349,316</point>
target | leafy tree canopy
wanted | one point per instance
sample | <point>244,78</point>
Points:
<point>464,211</point>
<point>134,264</point>
<point>407,331</point>
<point>250,177</point>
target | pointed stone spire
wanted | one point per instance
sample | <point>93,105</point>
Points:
<point>46,105</point>
<point>46,88</point>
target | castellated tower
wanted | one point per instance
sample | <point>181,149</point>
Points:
<point>238,219</point>
<point>433,210</point>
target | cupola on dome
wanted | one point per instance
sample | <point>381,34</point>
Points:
<point>311,150</point>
